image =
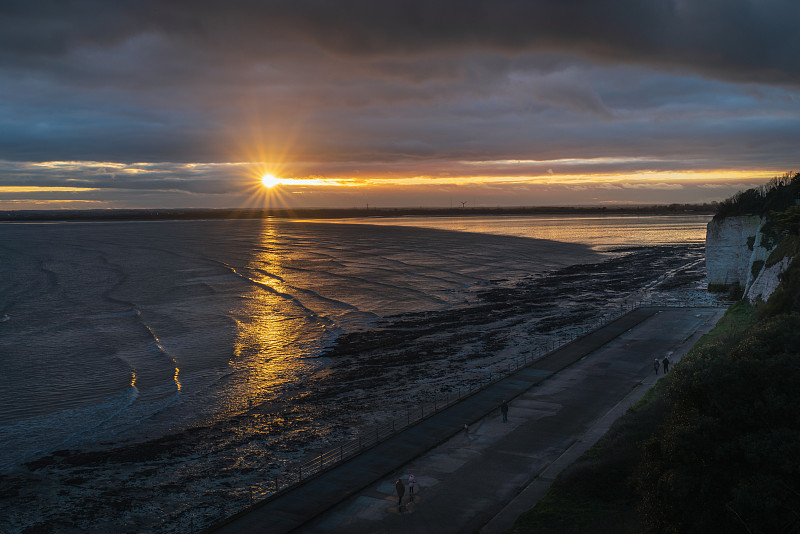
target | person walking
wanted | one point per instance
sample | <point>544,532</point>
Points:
<point>401,490</point>
<point>411,484</point>
<point>504,410</point>
<point>665,363</point>
<point>656,365</point>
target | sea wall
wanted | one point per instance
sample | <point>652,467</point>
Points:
<point>736,255</point>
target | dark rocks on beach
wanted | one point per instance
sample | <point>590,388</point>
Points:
<point>546,304</point>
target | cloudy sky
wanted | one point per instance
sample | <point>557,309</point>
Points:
<point>394,102</point>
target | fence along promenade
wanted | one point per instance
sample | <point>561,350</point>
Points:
<point>548,358</point>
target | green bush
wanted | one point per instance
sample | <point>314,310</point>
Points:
<point>718,288</point>
<point>789,220</point>
<point>726,457</point>
<point>735,292</point>
<point>788,247</point>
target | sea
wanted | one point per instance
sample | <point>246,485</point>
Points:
<point>116,333</point>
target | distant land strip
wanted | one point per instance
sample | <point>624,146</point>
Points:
<point>340,213</point>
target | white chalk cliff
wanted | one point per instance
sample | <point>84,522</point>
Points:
<point>766,281</point>
<point>733,246</point>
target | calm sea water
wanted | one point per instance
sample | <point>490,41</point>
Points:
<point>602,233</point>
<point>110,331</point>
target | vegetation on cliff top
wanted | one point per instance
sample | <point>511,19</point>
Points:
<point>715,446</point>
<point>776,195</point>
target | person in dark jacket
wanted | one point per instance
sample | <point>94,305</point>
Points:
<point>665,363</point>
<point>504,410</point>
<point>401,490</point>
<point>656,365</point>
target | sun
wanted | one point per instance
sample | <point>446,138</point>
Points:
<point>269,180</point>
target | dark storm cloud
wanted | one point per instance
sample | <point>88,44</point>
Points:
<point>734,39</point>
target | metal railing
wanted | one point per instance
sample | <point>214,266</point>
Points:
<point>378,433</point>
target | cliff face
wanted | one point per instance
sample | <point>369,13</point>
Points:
<point>735,255</point>
<point>728,257</point>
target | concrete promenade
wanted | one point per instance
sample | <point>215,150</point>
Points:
<point>483,478</point>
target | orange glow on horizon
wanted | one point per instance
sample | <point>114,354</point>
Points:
<point>268,179</point>
<point>632,179</point>
<point>273,178</point>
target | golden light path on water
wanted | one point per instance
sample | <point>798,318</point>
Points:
<point>265,350</point>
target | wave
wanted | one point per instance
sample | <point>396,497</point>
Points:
<point>270,289</point>
<point>115,315</point>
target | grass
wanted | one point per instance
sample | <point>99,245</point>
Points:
<point>738,319</point>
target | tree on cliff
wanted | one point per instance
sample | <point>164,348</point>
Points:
<point>776,195</point>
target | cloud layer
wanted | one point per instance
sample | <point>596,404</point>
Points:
<point>364,89</point>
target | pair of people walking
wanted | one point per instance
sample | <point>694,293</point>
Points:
<point>664,363</point>
<point>401,489</point>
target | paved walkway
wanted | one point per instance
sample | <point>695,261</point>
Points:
<point>482,479</point>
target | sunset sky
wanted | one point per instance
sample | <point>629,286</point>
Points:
<point>406,103</point>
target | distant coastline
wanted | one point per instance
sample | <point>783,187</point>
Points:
<point>340,213</point>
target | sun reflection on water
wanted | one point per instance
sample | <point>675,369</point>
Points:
<point>273,326</point>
